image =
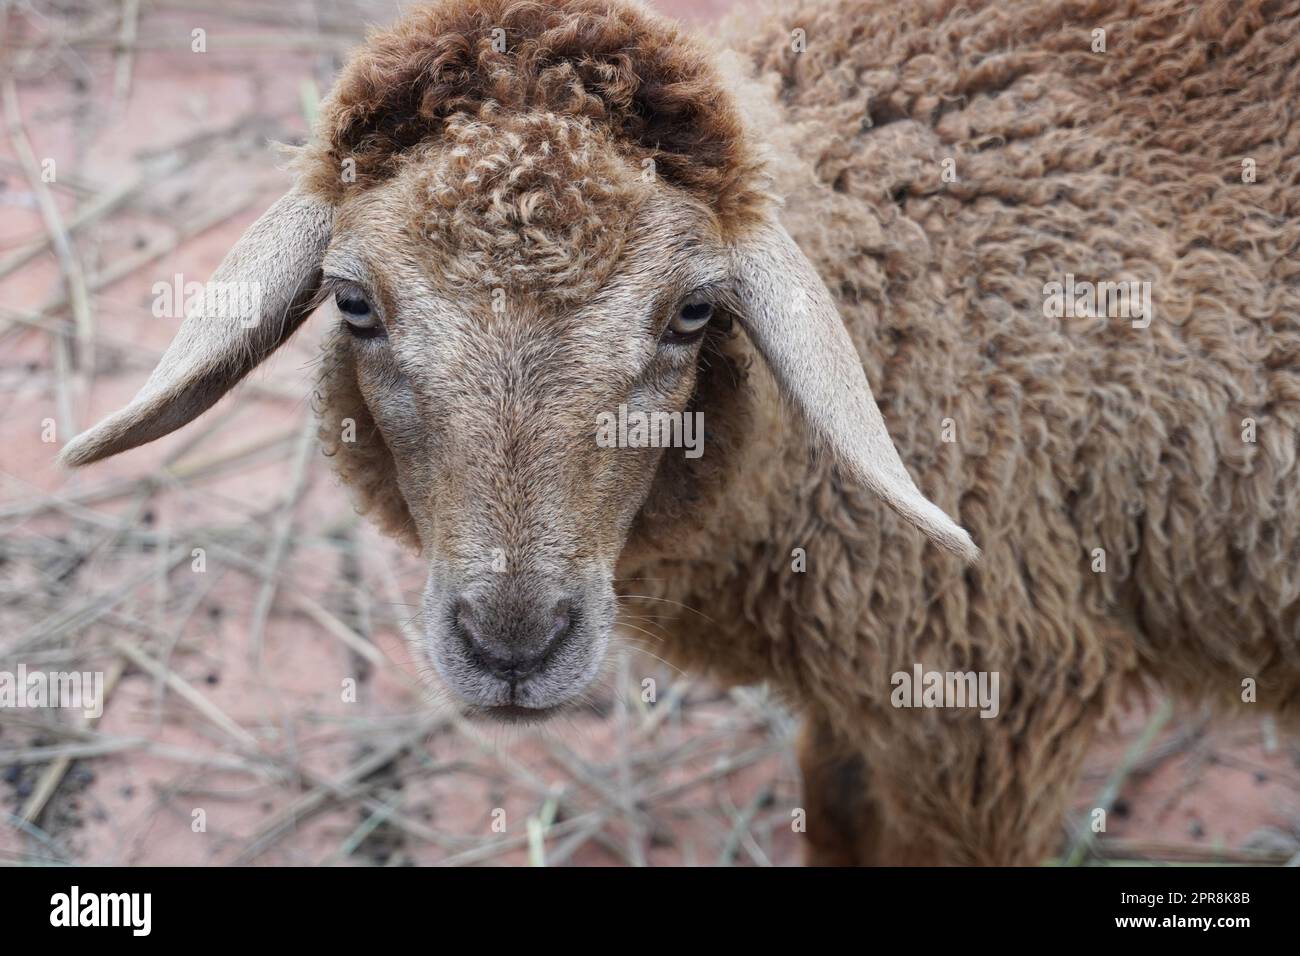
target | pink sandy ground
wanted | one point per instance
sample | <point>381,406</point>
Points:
<point>138,806</point>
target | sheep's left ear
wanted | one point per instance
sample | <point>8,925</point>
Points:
<point>262,291</point>
<point>792,320</point>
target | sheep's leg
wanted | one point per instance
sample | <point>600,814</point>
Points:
<point>979,793</point>
<point>843,823</point>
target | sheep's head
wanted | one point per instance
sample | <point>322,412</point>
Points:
<point>500,297</point>
<point>526,244</point>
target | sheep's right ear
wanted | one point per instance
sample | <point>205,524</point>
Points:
<point>262,291</point>
<point>792,320</point>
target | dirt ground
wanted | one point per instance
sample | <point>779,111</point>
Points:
<point>263,706</point>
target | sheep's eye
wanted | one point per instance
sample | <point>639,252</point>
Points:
<point>691,318</point>
<point>358,316</point>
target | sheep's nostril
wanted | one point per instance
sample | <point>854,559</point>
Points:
<point>561,622</point>
<point>462,616</point>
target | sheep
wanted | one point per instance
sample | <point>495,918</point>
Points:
<point>530,215</point>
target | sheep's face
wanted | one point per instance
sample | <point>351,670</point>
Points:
<point>501,406</point>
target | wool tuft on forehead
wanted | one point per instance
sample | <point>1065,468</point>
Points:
<point>525,200</point>
<point>492,85</point>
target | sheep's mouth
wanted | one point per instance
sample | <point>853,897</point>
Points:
<point>517,714</point>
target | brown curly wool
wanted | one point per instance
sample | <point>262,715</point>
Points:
<point>941,163</point>
<point>1070,434</point>
<point>637,77</point>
